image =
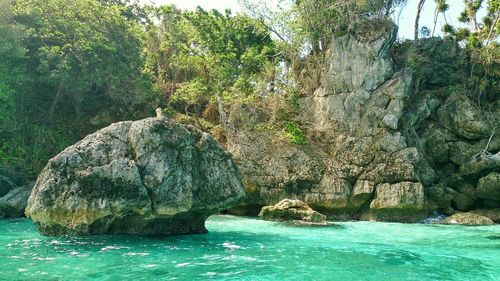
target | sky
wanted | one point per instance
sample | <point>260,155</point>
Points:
<point>205,4</point>
<point>405,19</point>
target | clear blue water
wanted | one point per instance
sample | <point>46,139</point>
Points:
<point>249,249</point>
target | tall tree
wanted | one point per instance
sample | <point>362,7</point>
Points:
<point>82,49</point>
<point>66,68</point>
<point>195,55</point>
<point>441,8</point>
<point>13,78</point>
<point>416,30</point>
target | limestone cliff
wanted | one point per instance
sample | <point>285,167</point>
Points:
<point>383,142</point>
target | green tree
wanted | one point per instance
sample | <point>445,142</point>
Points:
<point>196,55</point>
<point>12,77</point>
<point>481,38</point>
<point>82,48</point>
<point>66,69</point>
<point>306,28</point>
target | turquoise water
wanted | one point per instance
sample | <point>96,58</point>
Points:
<point>249,249</point>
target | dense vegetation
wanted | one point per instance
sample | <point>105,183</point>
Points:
<point>70,67</point>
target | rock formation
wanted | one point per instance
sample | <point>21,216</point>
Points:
<point>493,214</point>
<point>151,176</point>
<point>385,142</point>
<point>291,210</point>
<point>11,179</point>
<point>13,203</point>
<point>467,219</point>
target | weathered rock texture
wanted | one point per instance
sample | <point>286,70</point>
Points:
<point>291,210</point>
<point>385,142</point>
<point>493,214</point>
<point>11,179</point>
<point>151,176</point>
<point>12,204</point>
<point>467,219</point>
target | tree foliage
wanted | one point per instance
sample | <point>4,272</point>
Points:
<point>481,37</point>
<point>195,55</point>
<point>12,67</point>
<point>62,65</point>
<point>70,67</point>
<point>82,50</point>
<point>322,20</point>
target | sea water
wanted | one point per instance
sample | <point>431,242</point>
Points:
<point>239,248</point>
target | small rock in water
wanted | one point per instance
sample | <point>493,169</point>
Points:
<point>493,214</point>
<point>292,210</point>
<point>467,219</point>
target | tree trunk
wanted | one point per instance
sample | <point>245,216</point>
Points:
<point>417,18</point>
<point>436,14</point>
<point>55,101</point>
<point>490,33</point>
<point>474,26</point>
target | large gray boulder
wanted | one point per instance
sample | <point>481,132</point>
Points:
<point>151,176</point>
<point>12,204</point>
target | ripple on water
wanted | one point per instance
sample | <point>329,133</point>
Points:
<point>250,249</point>
<point>231,246</point>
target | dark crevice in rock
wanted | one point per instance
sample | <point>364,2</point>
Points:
<point>245,210</point>
<point>299,186</point>
<point>148,190</point>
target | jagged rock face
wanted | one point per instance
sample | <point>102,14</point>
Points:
<point>12,204</point>
<point>489,187</point>
<point>362,60</point>
<point>151,176</point>
<point>402,201</point>
<point>291,210</point>
<point>383,145</point>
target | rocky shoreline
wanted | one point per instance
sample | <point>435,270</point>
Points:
<point>385,142</point>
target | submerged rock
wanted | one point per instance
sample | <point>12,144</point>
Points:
<point>12,204</point>
<point>467,219</point>
<point>151,176</point>
<point>291,210</point>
